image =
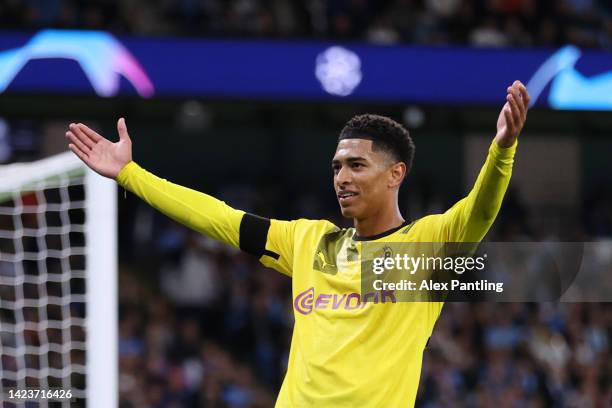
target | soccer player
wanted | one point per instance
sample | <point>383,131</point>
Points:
<point>345,352</point>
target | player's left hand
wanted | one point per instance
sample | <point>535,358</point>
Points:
<point>513,115</point>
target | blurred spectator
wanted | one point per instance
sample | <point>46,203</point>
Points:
<point>195,281</point>
<point>586,23</point>
<point>488,34</point>
<point>382,32</point>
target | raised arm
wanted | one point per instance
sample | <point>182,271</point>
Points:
<point>191,208</point>
<point>269,240</point>
<point>470,218</point>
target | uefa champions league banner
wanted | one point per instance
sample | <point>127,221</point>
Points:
<point>96,62</point>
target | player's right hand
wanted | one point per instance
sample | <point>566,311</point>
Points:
<point>101,155</point>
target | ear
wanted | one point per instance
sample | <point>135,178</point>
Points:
<point>397,172</point>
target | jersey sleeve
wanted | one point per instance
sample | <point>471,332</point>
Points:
<point>470,218</point>
<point>271,241</point>
<point>279,248</point>
<point>275,242</point>
<point>191,208</point>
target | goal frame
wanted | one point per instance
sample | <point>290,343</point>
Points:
<point>101,272</point>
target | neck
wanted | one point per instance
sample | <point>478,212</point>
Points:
<point>378,223</point>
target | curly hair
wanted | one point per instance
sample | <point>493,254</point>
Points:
<point>386,135</point>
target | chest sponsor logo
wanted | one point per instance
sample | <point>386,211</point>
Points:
<point>306,301</point>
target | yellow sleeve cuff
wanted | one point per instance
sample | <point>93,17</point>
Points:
<point>502,153</point>
<point>126,171</point>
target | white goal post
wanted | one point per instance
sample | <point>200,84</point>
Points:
<point>58,280</point>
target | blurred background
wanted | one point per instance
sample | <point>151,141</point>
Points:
<point>204,325</point>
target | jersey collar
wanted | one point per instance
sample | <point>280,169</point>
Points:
<point>378,236</point>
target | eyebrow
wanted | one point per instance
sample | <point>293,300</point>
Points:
<point>351,159</point>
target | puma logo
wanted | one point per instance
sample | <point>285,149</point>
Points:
<point>324,262</point>
<point>329,249</point>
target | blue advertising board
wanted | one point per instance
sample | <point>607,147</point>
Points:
<point>96,62</point>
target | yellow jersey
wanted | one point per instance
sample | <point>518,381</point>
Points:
<point>349,349</point>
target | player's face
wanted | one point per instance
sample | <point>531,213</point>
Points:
<point>360,178</point>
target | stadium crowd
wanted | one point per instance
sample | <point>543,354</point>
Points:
<point>585,23</point>
<point>215,331</point>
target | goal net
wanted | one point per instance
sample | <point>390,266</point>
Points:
<point>58,283</point>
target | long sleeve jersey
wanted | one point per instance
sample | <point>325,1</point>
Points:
<point>346,350</point>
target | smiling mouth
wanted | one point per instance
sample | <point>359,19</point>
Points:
<point>346,197</point>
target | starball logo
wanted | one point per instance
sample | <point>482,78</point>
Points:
<point>306,301</point>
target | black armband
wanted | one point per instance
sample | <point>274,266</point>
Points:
<point>254,234</point>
